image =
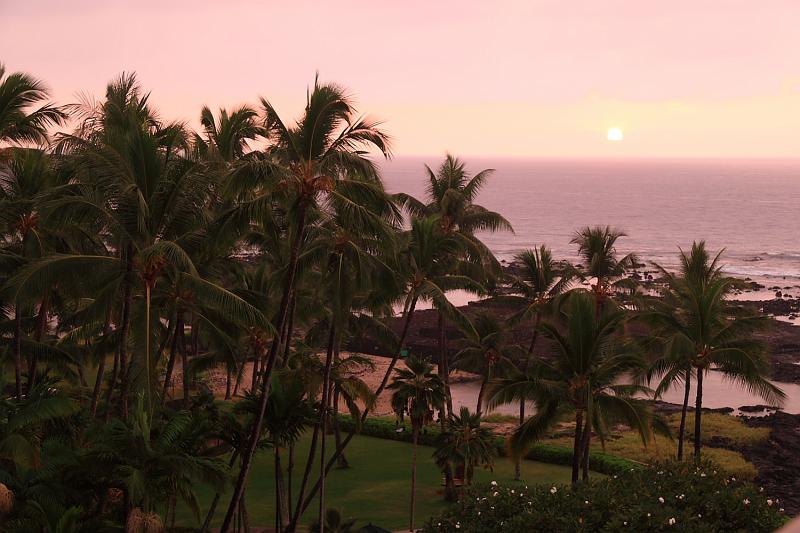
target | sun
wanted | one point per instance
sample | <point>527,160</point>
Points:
<point>615,134</point>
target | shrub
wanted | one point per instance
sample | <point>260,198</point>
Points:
<point>665,497</point>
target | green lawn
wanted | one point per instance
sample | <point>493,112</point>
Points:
<point>376,487</point>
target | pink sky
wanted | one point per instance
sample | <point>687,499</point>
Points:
<point>520,78</point>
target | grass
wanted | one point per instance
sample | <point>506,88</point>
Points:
<point>721,425</point>
<point>376,487</point>
<point>628,444</point>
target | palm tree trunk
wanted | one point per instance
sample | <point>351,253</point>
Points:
<point>289,328</point>
<point>239,376</point>
<point>41,326</point>
<point>518,461</point>
<point>684,409</point>
<point>289,472</point>
<point>282,500</point>
<point>254,376</point>
<point>413,478</point>
<point>173,350</point>
<point>302,504</point>
<point>342,461</point>
<point>444,365</point>
<point>323,418</point>
<point>112,383</point>
<point>127,303</point>
<point>698,411</point>
<point>481,392</point>
<point>228,382</point>
<point>258,423</point>
<point>18,352</point>
<point>587,438</point>
<point>101,369</point>
<point>577,450</point>
<point>193,339</point>
<point>213,508</point>
<point>147,360</point>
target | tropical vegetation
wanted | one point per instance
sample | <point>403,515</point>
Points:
<point>177,309</point>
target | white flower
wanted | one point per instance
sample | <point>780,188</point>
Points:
<point>553,490</point>
<point>458,525</point>
<point>512,491</point>
<point>781,509</point>
<point>586,502</point>
<point>703,474</point>
<point>624,523</point>
<point>660,499</point>
<point>494,483</point>
<point>648,515</point>
<point>699,515</point>
<point>770,502</point>
<point>746,501</point>
<point>761,489</point>
<point>494,494</point>
<point>671,521</point>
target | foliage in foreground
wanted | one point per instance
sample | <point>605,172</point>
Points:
<point>671,496</point>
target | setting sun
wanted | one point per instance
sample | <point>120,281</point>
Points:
<point>615,134</point>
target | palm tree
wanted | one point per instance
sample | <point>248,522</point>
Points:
<point>451,193</point>
<point>226,138</point>
<point>584,379</point>
<point>702,331</point>
<point>22,422</point>
<point>309,163</point>
<point>597,247</point>
<point>422,267</point>
<point>538,287</point>
<point>132,177</point>
<point>416,392</point>
<point>18,122</point>
<point>465,444</point>
<point>27,174</point>
<point>488,352</point>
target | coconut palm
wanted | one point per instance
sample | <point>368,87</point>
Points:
<point>27,174</point>
<point>19,92</point>
<point>416,393</point>
<point>584,380</point>
<point>538,286</point>
<point>488,352</point>
<point>451,193</point>
<point>597,248</point>
<point>226,138</point>
<point>132,177</point>
<point>702,330</point>
<point>465,444</point>
<point>425,256</point>
<point>310,163</point>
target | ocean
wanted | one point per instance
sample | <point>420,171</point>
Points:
<point>751,208</point>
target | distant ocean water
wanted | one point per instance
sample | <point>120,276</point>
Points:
<point>749,207</point>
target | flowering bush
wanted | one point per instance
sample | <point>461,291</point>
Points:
<point>667,497</point>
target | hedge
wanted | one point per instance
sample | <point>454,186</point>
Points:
<point>383,428</point>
